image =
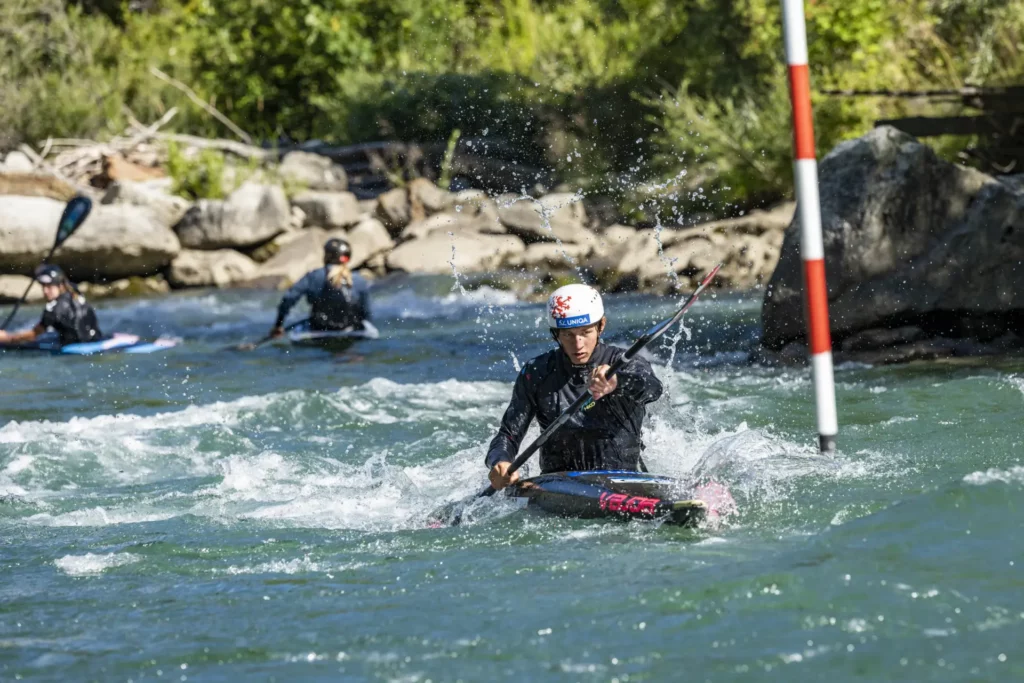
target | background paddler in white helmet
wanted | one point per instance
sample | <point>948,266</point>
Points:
<point>606,434</point>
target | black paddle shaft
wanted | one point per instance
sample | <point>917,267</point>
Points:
<point>586,396</point>
<point>249,346</point>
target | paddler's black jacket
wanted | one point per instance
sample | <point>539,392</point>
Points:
<point>333,308</point>
<point>604,436</point>
<point>71,318</point>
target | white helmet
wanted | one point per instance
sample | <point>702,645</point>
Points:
<point>574,306</point>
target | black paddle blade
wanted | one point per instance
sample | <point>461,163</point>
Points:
<point>74,215</point>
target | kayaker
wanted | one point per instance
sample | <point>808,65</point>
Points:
<point>605,435</point>
<point>339,298</point>
<point>66,312</point>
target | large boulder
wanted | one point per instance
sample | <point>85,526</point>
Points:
<point>118,241</point>
<point>554,217</point>
<point>27,229</point>
<point>168,209</point>
<point>220,268</point>
<point>467,251</point>
<point>549,256</point>
<point>330,210</point>
<point>313,172</point>
<point>13,286</point>
<point>250,215</point>
<point>454,223</point>
<point>17,162</point>
<point>115,241</point>
<point>623,259</point>
<point>368,239</point>
<point>910,241</point>
<point>394,210</point>
<point>294,259</point>
<point>426,198</point>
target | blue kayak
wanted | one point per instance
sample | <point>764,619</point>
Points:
<point>118,342</point>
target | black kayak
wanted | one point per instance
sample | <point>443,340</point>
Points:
<point>613,494</point>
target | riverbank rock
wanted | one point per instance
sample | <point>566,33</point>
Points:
<point>220,268</point>
<point>548,256</point>
<point>13,286</point>
<point>168,209</point>
<point>394,211</point>
<point>17,162</point>
<point>426,198</point>
<point>911,241</point>
<point>553,217</point>
<point>368,240</point>
<point>27,229</point>
<point>313,172</point>
<point>328,210</point>
<point>293,260</point>
<point>250,215</point>
<point>116,240</point>
<point>468,251</point>
<point>125,287</point>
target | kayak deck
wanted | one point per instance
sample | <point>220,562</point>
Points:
<point>302,335</point>
<point>125,343</point>
<point>611,494</point>
<point>608,494</point>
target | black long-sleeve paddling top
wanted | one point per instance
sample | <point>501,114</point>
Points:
<point>604,436</point>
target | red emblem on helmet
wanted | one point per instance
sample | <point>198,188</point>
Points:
<point>560,306</point>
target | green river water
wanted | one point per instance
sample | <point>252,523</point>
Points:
<point>215,516</point>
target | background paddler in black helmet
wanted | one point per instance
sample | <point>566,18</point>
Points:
<point>66,312</point>
<point>339,298</point>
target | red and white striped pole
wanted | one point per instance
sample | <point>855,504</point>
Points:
<point>805,174</point>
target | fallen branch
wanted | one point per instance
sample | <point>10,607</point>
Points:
<point>201,104</point>
<point>236,148</point>
<point>149,131</point>
<point>42,164</point>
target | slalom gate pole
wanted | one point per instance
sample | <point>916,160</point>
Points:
<point>812,250</point>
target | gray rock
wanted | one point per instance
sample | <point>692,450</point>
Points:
<point>27,229</point>
<point>393,210</point>
<point>17,162</point>
<point>445,222</point>
<point>469,251</point>
<point>426,198</point>
<point>13,286</point>
<point>118,241</point>
<point>910,239</point>
<point>167,209</point>
<point>551,256</point>
<point>554,217</point>
<point>368,240</point>
<point>635,255</point>
<point>293,260</point>
<point>250,215</point>
<point>125,287</point>
<point>313,172</point>
<point>220,268</point>
<point>115,241</point>
<point>329,210</point>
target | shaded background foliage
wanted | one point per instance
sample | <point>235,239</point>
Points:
<point>664,105</point>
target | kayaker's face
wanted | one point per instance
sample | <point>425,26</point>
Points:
<point>51,292</point>
<point>579,342</point>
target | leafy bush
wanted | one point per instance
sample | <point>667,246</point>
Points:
<point>616,96</point>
